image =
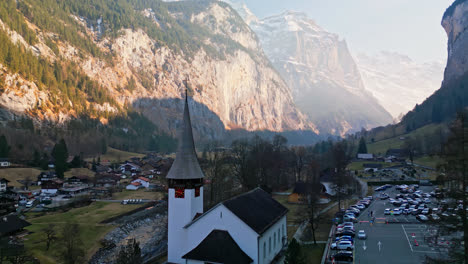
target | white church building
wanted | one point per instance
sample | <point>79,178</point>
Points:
<point>249,228</point>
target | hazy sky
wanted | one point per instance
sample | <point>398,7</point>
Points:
<point>410,27</point>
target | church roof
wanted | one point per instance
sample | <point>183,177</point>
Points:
<point>218,247</point>
<point>186,163</point>
<point>257,209</point>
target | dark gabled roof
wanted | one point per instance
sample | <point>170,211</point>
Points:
<point>186,164</point>
<point>218,247</point>
<point>257,209</point>
<point>4,180</point>
<point>12,224</point>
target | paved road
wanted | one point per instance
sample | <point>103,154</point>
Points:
<point>396,240</point>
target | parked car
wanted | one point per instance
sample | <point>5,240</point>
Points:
<point>387,211</point>
<point>406,211</point>
<point>435,217</point>
<point>343,245</point>
<point>396,211</point>
<point>361,206</point>
<point>362,234</point>
<point>346,233</point>
<point>343,256</point>
<point>425,211</point>
<point>422,218</point>
<point>343,238</point>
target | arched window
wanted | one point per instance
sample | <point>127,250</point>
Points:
<point>279,235</point>
<point>264,249</point>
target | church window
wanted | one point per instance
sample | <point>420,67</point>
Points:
<point>264,249</point>
<point>197,191</point>
<point>283,230</point>
<point>279,235</point>
<point>274,241</point>
<point>179,192</point>
<point>269,245</point>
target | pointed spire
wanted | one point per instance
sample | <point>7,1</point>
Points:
<point>186,164</point>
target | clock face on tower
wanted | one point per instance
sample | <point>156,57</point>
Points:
<point>179,192</point>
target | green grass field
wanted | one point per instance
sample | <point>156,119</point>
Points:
<point>313,253</point>
<point>15,174</point>
<point>87,217</point>
<point>115,155</point>
<point>380,147</point>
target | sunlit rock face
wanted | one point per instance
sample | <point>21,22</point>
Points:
<point>455,23</point>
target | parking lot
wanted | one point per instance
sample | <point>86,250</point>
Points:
<point>393,238</point>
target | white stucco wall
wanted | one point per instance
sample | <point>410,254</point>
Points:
<point>276,245</point>
<point>221,218</point>
<point>181,211</point>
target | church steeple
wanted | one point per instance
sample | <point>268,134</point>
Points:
<point>185,190</point>
<point>186,163</point>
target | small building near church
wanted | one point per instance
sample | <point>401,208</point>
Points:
<point>4,163</point>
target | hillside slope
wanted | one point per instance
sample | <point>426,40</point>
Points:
<point>99,58</point>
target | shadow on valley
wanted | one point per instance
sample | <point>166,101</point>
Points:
<point>166,114</point>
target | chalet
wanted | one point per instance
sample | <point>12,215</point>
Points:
<point>106,180</point>
<point>129,167</point>
<point>77,180</point>
<point>4,163</point>
<point>249,228</point>
<point>365,156</point>
<point>11,225</point>
<point>46,176</point>
<point>51,187</point>
<point>3,184</point>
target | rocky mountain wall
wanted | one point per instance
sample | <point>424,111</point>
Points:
<point>455,23</point>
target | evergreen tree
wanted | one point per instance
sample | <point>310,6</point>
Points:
<point>36,158</point>
<point>60,154</point>
<point>294,254</point>
<point>362,146</point>
<point>4,147</point>
<point>130,254</point>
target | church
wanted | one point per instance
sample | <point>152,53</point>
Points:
<point>249,228</point>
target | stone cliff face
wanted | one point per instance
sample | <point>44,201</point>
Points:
<point>321,72</point>
<point>455,23</point>
<point>236,90</point>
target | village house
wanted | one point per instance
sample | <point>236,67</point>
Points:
<point>4,163</point>
<point>140,182</point>
<point>78,180</point>
<point>129,167</point>
<point>11,225</point>
<point>249,228</point>
<point>106,180</point>
<point>51,187</point>
<point>46,176</point>
<point>3,184</point>
<point>365,156</point>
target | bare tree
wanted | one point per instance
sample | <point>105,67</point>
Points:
<point>73,251</point>
<point>51,235</point>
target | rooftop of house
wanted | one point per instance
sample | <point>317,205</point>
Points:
<point>218,247</point>
<point>11,223</point>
